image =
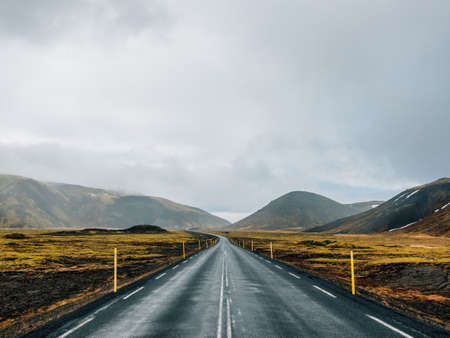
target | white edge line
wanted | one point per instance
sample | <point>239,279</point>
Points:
<point>176,266</point>
<point>389,326</point>
<point>163,274</point>
<point>293,275</point>
<point>76,327</point>
<point>129,295</point>
<point>106,306</point>
<point>102,308</point>
<point>326,292</point>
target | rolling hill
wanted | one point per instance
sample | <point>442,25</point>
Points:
<point>424,208</point>
<point>298,210</point>
<point>25,202</point>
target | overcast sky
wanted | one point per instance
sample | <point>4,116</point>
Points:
<point>226,105</point>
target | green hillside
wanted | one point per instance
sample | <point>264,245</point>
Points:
<point>25,202</point>
<point>297,210</point>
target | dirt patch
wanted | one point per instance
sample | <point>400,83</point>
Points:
<point>426,278</point>
<point>15,235</point>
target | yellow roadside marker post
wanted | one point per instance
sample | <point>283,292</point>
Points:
<point>206,244</point>
<point>271,251</point>
<point>243,244</point>
<point>199,245</point>
<point>252,244</point>
<point>115,269</point>
<point>353,272</point>
<point>184,252</point>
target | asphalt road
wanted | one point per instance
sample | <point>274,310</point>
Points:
<point>227,291</point>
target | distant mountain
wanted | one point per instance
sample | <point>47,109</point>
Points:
<point>297,210</point>
<point>423,208</point>
<point>25,202</point>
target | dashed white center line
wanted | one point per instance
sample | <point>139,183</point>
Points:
<point>76,327</point>
<point>326,292</point>
<point>160,275</point>
<point>135,291</point>
<point>294,275</point>
<point>389,326</point>
<point>228,319</point>
<point>226,278</point>
<point>278,267</point>
<point>219,320</point>
<point>176,266</point>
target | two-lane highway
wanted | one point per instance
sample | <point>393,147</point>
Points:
<point>226,291</point>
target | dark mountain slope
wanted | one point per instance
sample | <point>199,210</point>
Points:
<point>26,202</point>
<point>402,210</point>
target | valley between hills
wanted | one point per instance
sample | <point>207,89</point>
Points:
<point>57,240</point>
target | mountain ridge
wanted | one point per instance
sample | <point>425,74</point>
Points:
<point>418,204</point>
<point>25,202</point>
<point>297,210</point>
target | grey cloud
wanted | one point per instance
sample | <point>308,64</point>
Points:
<point>238,103</point>
<point>47,20</point>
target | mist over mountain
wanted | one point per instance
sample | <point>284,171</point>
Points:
<point>364,206</point>
<point>299,210</point>
<point>424,208</point>
<point>26,202</point>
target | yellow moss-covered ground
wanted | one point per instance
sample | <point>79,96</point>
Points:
<point>46,270</point>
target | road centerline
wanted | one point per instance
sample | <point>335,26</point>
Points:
<point>219,320</point>
<point>229,333</point>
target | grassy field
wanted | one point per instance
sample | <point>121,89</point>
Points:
<point>407,271</point>
<point>46,271</point>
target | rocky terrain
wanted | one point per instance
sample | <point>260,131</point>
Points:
<point>424,208</point>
